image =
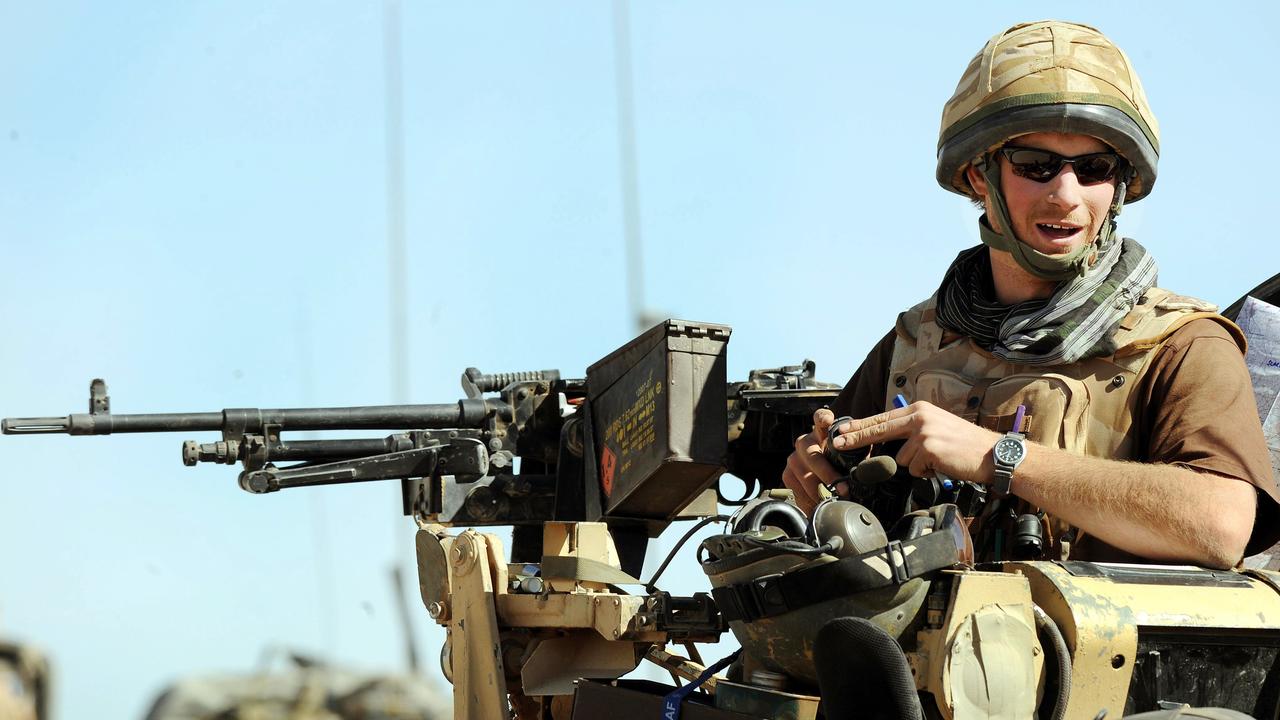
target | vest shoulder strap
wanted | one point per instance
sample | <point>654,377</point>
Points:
<point>912,321</point>
<point>1161,314</point>
<point>918,335</point>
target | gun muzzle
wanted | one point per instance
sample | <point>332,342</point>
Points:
<point>46,425</point>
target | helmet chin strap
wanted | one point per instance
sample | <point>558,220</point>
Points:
<point>1053,268</point>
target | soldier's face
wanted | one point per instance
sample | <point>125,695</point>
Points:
<point>1060,215</point>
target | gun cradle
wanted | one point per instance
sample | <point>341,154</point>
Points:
<point>530,632</point>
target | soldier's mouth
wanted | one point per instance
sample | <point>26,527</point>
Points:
<point>1058,231</point>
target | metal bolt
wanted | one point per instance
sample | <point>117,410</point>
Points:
<point>435,610</point>
<point>616,602</point>
<point>258,482</point>
<point>463,552</point>
<point>1117,381</point>
<point>900,381</point>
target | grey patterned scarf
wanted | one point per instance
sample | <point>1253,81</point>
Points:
<point>1075,323</point>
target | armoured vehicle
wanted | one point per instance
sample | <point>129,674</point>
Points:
<point>588,470</point>
<point>303,689</point>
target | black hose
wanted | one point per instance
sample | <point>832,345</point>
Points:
<point>1047,628</point>
<point>652,586</point>
<point>863,673</point>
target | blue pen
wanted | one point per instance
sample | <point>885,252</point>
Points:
<point>899,402</point>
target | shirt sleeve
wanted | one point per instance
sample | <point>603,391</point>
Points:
<point>1199,412</point>
<point>864,394</point>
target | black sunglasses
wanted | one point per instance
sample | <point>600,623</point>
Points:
<point>1044,165</point>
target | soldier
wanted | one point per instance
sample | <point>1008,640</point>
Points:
<point>1048,366</point>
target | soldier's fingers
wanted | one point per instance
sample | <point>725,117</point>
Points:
<point>812,460</point>
<point>859,423</point>
<point>822,419</point>
<point>804,490</point>
<point>907,453</point>
<point>860,433</point>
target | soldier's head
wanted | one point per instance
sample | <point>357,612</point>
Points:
<point>1049,130</point>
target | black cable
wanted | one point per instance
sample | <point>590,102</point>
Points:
<point>649,587</point>
<point>1047,626</point>
<point>792,546</point>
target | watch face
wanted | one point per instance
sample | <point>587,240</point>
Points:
<point>1009,451</point>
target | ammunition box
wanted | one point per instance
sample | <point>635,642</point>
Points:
<point>657,407</point>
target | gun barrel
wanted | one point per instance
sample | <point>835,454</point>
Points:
<point>106,423</point>
<point>462,414</point>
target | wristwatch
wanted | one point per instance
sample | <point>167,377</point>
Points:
<point>1009,452</point>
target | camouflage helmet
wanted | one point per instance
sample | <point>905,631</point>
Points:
<point>1048,76</point>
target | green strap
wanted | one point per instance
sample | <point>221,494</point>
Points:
<point>1053,268</point>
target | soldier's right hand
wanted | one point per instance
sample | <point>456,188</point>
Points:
<point>807,470</point>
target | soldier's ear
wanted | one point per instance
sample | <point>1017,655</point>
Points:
<point>976,181</point>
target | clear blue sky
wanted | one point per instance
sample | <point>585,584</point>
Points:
<point>192,206</point>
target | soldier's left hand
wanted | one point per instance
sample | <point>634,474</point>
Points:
<point>936,441</point>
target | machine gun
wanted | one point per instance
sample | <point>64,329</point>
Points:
<point>585,470</point>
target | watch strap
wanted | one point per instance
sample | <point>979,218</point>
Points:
<point>1002,483</point>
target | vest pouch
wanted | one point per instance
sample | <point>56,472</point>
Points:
<point>947,389</point>
<point>1057,406</point>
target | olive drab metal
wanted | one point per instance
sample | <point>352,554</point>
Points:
<point>1048,76</point>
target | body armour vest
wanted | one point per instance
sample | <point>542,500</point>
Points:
<point>1086,407</point>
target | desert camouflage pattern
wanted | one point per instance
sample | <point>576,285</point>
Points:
<point>1041,63</point>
